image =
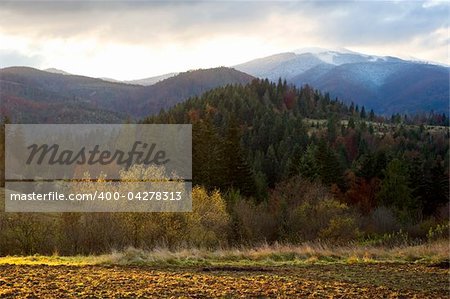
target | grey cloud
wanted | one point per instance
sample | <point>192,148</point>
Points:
<point>383,22</point>
<point>147,22</point>
<point>126,20</point>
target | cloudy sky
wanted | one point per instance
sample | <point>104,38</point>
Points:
<point>131,40</point>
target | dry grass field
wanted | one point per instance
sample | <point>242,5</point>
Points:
<point>314,271</point>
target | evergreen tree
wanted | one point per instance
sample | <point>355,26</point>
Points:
<point>237,172</point>
<point>351,109</point>
<point>207,156</point>
<point>363,113</point>
<point>351,123</point>
<point>371,115</point>
<point>395,190</point>
<point>332,128</point>
<point>429,183</point>
<point>308,167</point>
<point>329,168</point>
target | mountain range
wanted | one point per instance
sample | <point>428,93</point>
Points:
<point>145,81</point>
<point>382,83</point>
<point>29,95</point>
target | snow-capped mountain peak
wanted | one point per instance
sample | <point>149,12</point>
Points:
<point>318,50</point>
<point>383,83</point>
<point>338,56</point>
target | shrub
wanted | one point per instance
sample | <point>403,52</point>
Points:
<point>390,240</point>
<point>439,232</point>
<point>253,224</point>
<point>208,223</point>
<point>325,219</point>
<point>383,220</point>
<point>340,230</point>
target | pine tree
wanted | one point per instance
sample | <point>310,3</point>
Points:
<point>351,123</point>
<point>395,190</point>
<point>332,129</point>
<point>329,168</point>
<point>371,115</point>
<point>429,183</point>
<point>207,159</point>
<point>351,109</point>
<point>363,113</point>
<point>308,167</point>
<point>237,172</point>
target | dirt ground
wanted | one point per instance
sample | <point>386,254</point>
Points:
<point>316,281</point>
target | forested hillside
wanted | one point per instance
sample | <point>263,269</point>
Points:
<point>276,163</point>
<point>32,96</point>
<point>264,139</point>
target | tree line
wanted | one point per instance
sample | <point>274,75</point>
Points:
<point>278,164</point>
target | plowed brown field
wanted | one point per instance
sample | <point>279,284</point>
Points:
<point>317,281</point>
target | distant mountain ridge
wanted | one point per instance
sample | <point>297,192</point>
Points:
<point>383,83</point>
<point>56,71</point>
<point>171,91</point>
<point>29,95</point>
<point>289,64</point>
<point>151,80</point>
<point>145,81</point>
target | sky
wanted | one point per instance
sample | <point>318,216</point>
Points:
<point>128,40</point>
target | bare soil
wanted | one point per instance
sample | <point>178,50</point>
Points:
<point>383,280</point>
